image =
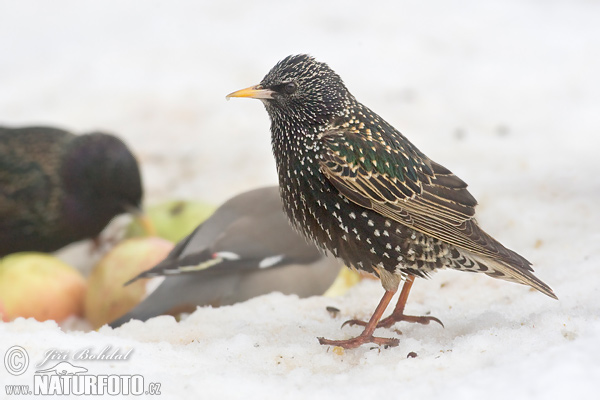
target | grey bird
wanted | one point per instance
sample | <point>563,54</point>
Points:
<point>245,249</point>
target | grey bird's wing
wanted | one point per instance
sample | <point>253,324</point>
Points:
<point>245,249</point>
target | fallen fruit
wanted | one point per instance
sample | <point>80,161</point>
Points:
<point>173,220</point>
<point>344,281</point>
<point>40,286</point>
<point>107,298</point>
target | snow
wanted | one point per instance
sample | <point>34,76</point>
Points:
<point>505,94</point>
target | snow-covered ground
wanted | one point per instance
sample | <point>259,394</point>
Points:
<point>505,94</point>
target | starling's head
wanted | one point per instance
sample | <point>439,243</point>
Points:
<point>101,178</point>
<point>302,89</point>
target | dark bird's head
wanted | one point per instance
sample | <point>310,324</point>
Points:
<point>101,179</point>
<point>299,89</point>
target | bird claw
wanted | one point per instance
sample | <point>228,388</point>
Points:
<point>360,340</point>
<point>352,322</point>
<point>419,320</point>
<point>392,319</point>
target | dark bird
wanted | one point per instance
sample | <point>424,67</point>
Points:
<point>57,188</point>
<point>354,185</point>
<point>245,249</point>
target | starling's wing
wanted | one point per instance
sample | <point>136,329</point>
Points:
<point>27,176</point>
<point>402,184</point>
<point>25,190</point>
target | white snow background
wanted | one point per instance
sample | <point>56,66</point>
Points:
<point>506,94</point>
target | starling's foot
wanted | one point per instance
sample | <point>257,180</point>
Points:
<point>367,335</point>
<point>392,319</point>
<point>360,340</point>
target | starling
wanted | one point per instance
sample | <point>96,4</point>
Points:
<point>245,249</point>
<point>57,188</point>
<point>354,185</point>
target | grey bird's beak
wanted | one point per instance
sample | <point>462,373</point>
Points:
<point>253,92</point>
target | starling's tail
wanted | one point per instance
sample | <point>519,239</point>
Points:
<point>514,273</point>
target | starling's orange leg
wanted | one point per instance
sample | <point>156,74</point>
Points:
<point>367,335</point>
<point>398,313</point>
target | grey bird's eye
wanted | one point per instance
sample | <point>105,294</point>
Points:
<point>290,88</point>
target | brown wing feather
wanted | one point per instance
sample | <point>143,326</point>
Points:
<point>437,203</point>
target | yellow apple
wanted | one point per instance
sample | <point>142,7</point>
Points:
<point>345,280</point>
<point>107,298</point>
<point>40,286</point>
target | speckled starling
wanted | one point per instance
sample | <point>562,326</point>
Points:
<point>245,249</point>
<point>57,188</point>
<point>357,187</point>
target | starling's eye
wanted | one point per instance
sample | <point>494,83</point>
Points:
<point>290,88</point>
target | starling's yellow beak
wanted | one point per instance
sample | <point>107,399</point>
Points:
<point>254,92</point>
<point>143,221</point>
<point>146,224</point>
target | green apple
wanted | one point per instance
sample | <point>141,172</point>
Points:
<point>172,220</point>
<point>106,298</point>
<point>40,286</point>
